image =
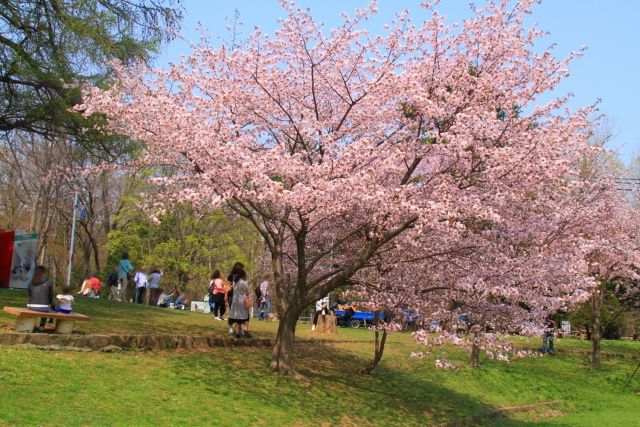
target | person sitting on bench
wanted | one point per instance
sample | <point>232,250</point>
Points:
<point>324,310</point>
<point>65,299</point>
<point>40,292</point>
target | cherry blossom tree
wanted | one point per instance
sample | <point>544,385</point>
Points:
<point>505,277</point>
<point>348,150</point>
<point>611,232</point>
<point>554,251</point>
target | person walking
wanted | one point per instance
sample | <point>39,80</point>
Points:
<point>218,294</point>
<point>154,286</point>
<point>239,314</point>
<point>141,280</point>
<point>264,304</point>
<point>124,269</point>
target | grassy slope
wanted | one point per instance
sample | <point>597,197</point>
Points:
<point>234,386</point>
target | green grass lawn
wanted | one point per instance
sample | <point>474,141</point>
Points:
<point>234,386</point>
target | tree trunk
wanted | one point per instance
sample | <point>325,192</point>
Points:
<point>86,256</point>
<point>475,354</point>
<point>282,357</point>
<point>106,210</point>
<point>378,352</point>
<point>96,253</point>
<point>279,284</point>
<point>596,327</point>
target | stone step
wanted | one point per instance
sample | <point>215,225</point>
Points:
<point>127,342</point>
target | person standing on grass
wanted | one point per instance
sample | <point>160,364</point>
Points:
<point>547,337</point>
<point>231,278</point>
<point>124,269</point>
<point>154,285</point>
<point>239,315</point>
<point>264,304</point>
<point>141,280</point>
<point>218,294</point>
<point>212,303</point>
<point>112,282</point>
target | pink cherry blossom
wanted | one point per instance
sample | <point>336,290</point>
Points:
<point>418,167</point>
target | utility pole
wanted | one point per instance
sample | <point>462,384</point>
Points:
<point>73,238</point>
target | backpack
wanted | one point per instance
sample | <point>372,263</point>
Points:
<point>248,302</point>
<point>258,294</point>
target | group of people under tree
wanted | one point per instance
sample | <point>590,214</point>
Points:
<point>141,287</point>
<point>235,293</point>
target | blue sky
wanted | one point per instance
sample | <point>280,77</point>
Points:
<point>610,29</point>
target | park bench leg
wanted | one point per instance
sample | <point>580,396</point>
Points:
<point>64,326</point>
<point>25,324</point>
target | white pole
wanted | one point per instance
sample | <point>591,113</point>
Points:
<point>73,238</point>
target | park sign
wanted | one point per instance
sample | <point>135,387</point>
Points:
<point>23,260</point>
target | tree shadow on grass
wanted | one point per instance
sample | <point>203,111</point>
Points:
<point>336,392</point>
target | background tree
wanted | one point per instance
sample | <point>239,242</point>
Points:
<point>618,305</point>
<point>186,244</point>
<point>612,232</point>
<point>48,49</point>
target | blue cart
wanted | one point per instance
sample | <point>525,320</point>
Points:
<point>359,318</point>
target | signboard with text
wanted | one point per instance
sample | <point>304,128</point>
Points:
<point>23,262</point>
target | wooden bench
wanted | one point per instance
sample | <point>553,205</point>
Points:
<point>304,319</point>
<point>26,319</point>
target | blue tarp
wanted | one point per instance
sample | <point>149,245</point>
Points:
<point>361,315</point>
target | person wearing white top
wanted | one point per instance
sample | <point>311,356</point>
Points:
<point>141,280</point>
<point>264,305</point>
<point>154,285</point>
<point>65,299</point>
<point>321,302</point>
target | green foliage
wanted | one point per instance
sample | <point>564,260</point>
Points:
<point>428,140</point>
<point>49,48</point>
<point>613,314</point>
<point>409,111</point>
<point>185,245</point>
<point>613,317</point>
